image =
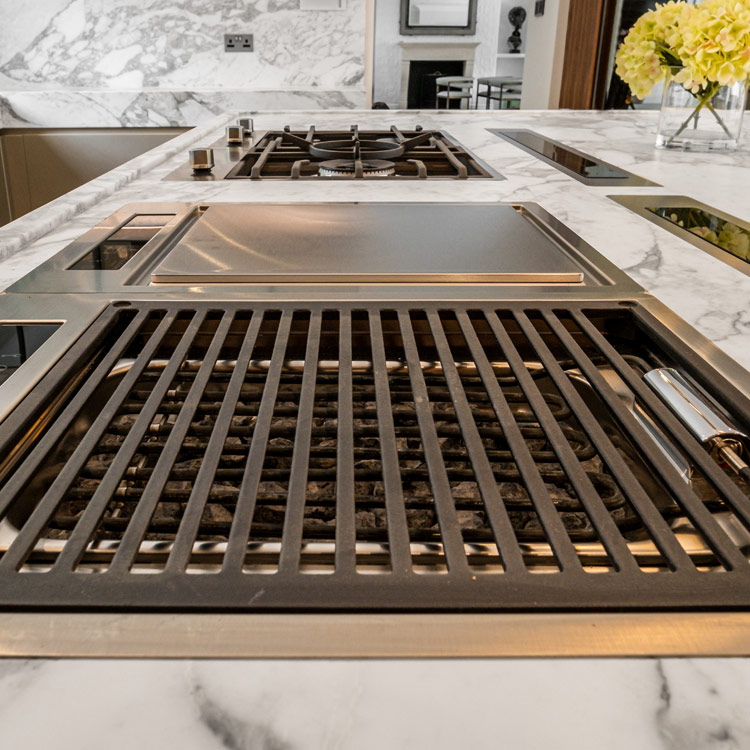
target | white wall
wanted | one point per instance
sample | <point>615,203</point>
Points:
<point>387,73</point>
<point>545,52</point>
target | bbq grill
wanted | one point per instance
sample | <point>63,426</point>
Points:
<point>402,456</point>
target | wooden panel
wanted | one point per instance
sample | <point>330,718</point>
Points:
<point>582,48</point>
<point>4,194</point>
<point>15,175</point>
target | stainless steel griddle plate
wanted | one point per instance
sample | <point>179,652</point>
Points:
<point>353,242</point>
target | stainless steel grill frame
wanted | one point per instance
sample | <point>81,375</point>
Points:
<point>719,580</point>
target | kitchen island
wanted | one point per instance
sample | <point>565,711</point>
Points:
<point>521,703</point>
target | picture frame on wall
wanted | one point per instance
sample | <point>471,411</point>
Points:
<point>438,17</point>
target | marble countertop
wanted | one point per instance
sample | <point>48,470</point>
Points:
<point>524,703</point>
<point>683,277</point>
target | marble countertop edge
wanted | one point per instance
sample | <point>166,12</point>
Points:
<point>16,235</point>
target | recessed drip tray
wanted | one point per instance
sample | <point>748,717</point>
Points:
<point>413,243</point>
<point>715,232</point>
<point>581,166</point>
<point>19,342</point>
<point>112,253</point>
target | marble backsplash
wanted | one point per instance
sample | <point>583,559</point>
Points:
<point>144,62</point>
<point>156,107</point>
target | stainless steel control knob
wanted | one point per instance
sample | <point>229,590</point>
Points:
<point>235,134</point>
<point>246,123</point>
<point>202,159</point>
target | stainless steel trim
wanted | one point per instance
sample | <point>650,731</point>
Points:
<point>133,278</point>
<point>341,636</point>
<point>640,204</point>
<point>184,635</point>
<point>75,317</point>
<point>630,180</point>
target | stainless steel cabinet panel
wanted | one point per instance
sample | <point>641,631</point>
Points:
<point>39,165</point>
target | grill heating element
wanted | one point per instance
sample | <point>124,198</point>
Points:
<point>349,457</point>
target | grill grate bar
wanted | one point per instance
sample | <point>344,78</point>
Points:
<point>739,501</point>
<point>398,534</point>
<point>548,516</point>
<point>653,520</point>
<point>502,529</point>
<point>717,539</point>
<point>152,493</point>
<point>28,535</point>
<point>602,521</point>
<point>245,508</point>
<point>96,507</point>
<point>257,170</point>
<point>461,170</point>
<point>291,541</point>
<point>441,489</point>
<point>188,529</point>
<point>451,441</point>
<point>345,507</point>
<point>52,436</point>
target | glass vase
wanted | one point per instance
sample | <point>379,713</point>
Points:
<point>710,120</point>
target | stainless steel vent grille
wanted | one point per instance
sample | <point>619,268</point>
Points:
<point>350,457</point>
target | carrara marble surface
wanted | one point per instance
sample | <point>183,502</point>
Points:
<point>581,704</point>
<point>110,63</point>
<point>709,294</point>
<point>156,107</point>
<point>675,704</point>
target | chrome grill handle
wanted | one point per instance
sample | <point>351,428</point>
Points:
<point>723,439</point>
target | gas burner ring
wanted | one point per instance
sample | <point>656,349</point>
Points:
<point>387,149</point>
<point>347,168</point>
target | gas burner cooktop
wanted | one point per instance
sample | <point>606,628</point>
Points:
<point>333,154</point>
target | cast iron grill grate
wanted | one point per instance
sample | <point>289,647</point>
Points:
<point>285,154</point>
<point>347,457</point>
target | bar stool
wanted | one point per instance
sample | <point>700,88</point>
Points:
<point>456,87</point>
<point>508,90</point>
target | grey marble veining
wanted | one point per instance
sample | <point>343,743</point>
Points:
<point>178,44</point>
<point>94,63</point>
<point>709,294</point>
<point>582,704</point>
<point>88,108</point>
<point>527,704</point>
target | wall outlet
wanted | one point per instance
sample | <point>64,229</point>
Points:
<point>238,42</point>
<point>322,4</point>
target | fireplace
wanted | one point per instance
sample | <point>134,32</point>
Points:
<point>422,76</point>
<point>436,55</point>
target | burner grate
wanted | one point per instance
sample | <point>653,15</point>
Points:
<point>365,457</point>
<point>394,154</point>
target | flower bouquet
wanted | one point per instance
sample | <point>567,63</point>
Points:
<point>703,53</point>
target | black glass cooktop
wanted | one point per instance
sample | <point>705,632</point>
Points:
<point>584,168</point>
